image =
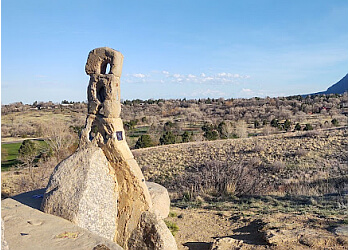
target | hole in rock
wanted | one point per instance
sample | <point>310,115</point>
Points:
<point>101,93</point>
<point>105,68</point>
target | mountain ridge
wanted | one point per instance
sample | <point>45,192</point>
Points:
<point>339,87</point>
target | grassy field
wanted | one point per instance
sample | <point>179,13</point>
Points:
<point>9,154</point>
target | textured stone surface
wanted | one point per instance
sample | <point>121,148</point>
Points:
<point>30,229</point>
<point>151,233</point>
<point>160,199</point>
<point>227,243</point>
<point>82,190</point>
<point>4,245</point>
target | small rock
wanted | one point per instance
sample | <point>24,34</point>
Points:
<point>160,199</point>
<point>101,247</point>
<point>341,231</point>
<point>226,243</point>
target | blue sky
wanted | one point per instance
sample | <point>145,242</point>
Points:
<point>174,49</point>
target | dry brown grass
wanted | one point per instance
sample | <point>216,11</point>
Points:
<point>287,162</point>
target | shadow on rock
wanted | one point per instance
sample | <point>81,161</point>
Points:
<point>32,198</point>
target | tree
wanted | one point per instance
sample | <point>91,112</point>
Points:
<point>308,127</point>
<point>167,138</point>
<point>256,124</point>
<point>168,126</point>
<point>28,148</point>
<point>287,125</point>
<point>298,127</point>
<point>186,137</point>
<point>144,141</point>
<point>211,135</point>
<point>335,122</point>
<point>210,131</point>
<point>274,123</point>
<point>224,129</point>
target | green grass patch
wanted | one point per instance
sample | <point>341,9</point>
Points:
<point>137,132</point>
<point>172,227</point>
<point>9,154</point>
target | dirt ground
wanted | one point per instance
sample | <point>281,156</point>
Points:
<point>198,229</point>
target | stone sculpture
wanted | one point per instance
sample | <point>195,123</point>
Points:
<point>101,187</point>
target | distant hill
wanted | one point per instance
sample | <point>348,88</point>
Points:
<point>338,88</point>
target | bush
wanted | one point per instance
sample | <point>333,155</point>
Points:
<point>298,127</point>
<point>172,227</point>
<point>256,124</point>
<point>221,178</point>
<point>210,131</point>
<point>335,122</point>
<point>167,138</point>
<point>287,125</point>
<point>144,141</point>
<point>308,127</point>
<point>186,137</point>
<point>274,123</point>
<point>28,148</point>
<point>211,135</point>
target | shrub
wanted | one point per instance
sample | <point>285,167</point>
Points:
<point>144,141</point>
<point>172,227</point>
<point>186,137</point>
<point>308,127</point>
<point>211,135</point>
<point>298,127</point>
<point>221,178</point>
<point>287,125</point>
<point>256,124</point>
<point>167,138</point>
<point>274,123</point>
<point>335,122</point>
<point>210,131</point>
<point>28,148</point>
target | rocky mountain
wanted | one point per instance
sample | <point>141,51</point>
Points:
<point>338,88</point>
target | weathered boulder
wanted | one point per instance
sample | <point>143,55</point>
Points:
<point>151,233</point>
<point>83,190</point>
<point>160,199</point>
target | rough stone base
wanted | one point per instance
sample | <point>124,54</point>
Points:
<point>82,189</point>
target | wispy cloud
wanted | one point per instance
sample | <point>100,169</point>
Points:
<point>221,78</point>
<point>206,93</point>
<point>139,75</point>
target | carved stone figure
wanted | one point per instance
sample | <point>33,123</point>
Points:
<point>101,187</point>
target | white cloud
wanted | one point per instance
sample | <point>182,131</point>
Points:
<point>222,78</point>
<point>139,75</point>
<point>222,74</point>
<point>247,91</point>
<point>206,93</point>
